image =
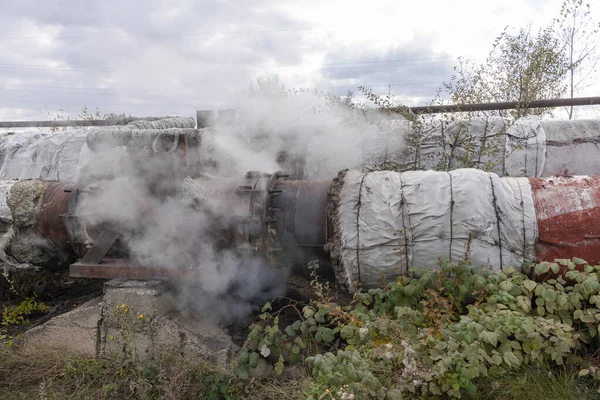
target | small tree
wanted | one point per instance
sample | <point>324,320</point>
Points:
<point>85,114</point>
<point>521,67</point>
<point>577,30</point>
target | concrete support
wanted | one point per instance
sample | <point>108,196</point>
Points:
<point>133,319</point>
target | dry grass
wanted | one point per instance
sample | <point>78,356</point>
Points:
<point>290,386</point>
<point>50,375</point>
<point>46,374</point>
<point>39,373</point>
<point>540,382</point>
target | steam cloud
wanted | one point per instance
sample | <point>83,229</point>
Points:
<point>189,230</point>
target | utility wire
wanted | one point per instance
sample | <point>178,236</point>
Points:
<point>113,36</point>
<point>91,88</point>
<point>141,93</point>
<point>384,61</point>
<point>178,90</point>
<point>137,103</point>
<point>327,66</point>
<point>140,104</point>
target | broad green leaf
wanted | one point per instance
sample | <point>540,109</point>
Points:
<point>588,318</point>
<point>441,345</point>
<point>583,372</point>
<point>579,261</point>
<point>279,365</point>
<point>289,330</point>
<point>540,311</point>
<point>253,359</point>
<point>542,268</point>
<point>242,372</point>
<point>347,332</point>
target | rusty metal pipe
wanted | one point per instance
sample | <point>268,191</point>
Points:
<point>301,219</point>
<point>51,213</point>
<point>385,224</point>
<point>298,217</point>
<point>300,208</point>
<point>568,217</point>
<point>506,105</point>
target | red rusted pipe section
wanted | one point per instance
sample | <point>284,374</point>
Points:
<point>568,217</point>
<point>567,211</point>
<point>51,213</point>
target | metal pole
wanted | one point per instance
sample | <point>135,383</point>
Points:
<point>54,124</point>
<point>118,121</point>
<point>507,105</point>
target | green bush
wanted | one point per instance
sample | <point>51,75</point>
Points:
<point>17,315</point>
<point>438,334</point>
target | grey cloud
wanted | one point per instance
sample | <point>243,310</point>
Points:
<point>418,73</point>
<point>136,48</point>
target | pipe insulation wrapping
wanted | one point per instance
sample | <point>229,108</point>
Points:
<point>542,148</point>
<point>529,147</point>
<point>61,155</point>
<point>43,155</point>
<point>385,223</point>
<point>106,138</point>
<point>164,123</point>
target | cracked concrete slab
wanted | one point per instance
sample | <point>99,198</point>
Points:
<point>133,318</point>
<point>75,331</point>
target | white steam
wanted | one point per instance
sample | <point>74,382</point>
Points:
<point>174,221</point>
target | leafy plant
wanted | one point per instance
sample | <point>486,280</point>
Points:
<point>17,315</point>
<point>437,333</point>
<point>578,31</point>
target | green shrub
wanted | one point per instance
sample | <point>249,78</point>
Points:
<point>436,335</point>
<point>17,315</point>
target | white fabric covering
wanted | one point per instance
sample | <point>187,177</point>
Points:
<point>390,222</point>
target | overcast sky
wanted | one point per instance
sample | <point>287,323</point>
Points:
<point>157,57</point>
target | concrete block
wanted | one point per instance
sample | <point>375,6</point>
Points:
<point>120,343</point>
<point>194,340</point>
<point>74,332</point>
<point>135,319</point>
<point>126,301</point>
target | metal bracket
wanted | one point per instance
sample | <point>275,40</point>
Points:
<point>101,247</point>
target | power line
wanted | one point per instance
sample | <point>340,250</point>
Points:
<point>161,34</point>
<point>88,104</point>
<point>177,90</point>
<point>384,66</point>
<point>406,92</point>
<point>56,92</point>
<point>93,88</point>
<point>405,59</point>
<point>136,104</point>
<point>386,85</point>
<point>385,62</point>
<point>57,67</point>
<point>141,94</point>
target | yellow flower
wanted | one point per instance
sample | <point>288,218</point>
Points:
<point>141,316</point>
<point>111,337</point>
<point>123,305</point>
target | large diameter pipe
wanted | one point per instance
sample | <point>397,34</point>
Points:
<point>52,212</point>
<point>386,223</point>
<point>297,214</point>
<point>529,147</point>
<point>568,217</point>
<point>33,215</point>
